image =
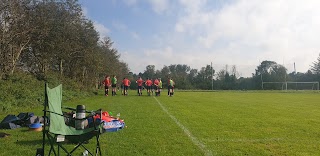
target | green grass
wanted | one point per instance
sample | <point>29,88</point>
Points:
<point>225,123</point>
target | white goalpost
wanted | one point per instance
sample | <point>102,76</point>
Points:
<point>289,85</point>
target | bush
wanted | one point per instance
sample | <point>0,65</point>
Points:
<point>24,90</point>
<point>20,90</point>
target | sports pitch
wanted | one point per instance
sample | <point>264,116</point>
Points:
<point>201,123</point>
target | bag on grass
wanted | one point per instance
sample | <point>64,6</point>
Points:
<point>24,118</point>
<point>113,126</point>
<point>10,122</point>
<point>9,126</point>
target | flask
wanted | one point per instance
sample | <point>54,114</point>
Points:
<point>80,114</point>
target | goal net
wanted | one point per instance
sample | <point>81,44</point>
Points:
<point>290,85</point>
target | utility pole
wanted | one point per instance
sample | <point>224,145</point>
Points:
<point>211,77</point>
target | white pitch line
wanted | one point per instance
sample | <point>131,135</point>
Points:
<point>245,140</point>
<point>194,140</point>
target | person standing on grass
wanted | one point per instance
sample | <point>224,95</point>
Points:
<point>168,83</point>
<point>139,83</point>
<point>171,87</point>
<point>126,83</point>
<point>152,86</point>
<point>160,86</point>
<point>122,87</point>
<point>156,86</point>
<point>114,85</point>
<point>148,84</point>
<point>106,84</point>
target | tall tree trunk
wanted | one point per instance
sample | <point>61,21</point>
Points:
<point>84,71</point>
<point>61,68</point>
<point>17,57</point>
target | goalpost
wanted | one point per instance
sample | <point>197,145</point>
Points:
<point>290,85</point>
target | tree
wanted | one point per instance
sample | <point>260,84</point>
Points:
<point>149,72</point>
<point>192,77</point>
<point>110,63</point>
<point>46,37</point>
<point>204,77</point>
<point>315,67</point>
<point>269,71</point>
<point>15,27</point>
<point>165,71</point>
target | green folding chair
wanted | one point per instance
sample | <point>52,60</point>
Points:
<point>57,131</point>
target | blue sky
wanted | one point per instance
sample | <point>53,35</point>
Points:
<point>197,32</point>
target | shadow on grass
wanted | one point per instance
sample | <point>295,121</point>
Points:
<point>30,142</point>
<point>39,142</point>
<point>25,130</point>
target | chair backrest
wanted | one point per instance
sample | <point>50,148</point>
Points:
<point>57,123</point>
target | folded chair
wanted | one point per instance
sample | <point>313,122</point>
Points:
<point>58,132</point>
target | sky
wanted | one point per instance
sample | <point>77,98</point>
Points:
<point>197,32</point>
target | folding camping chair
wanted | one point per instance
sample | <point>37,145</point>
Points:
<point>57,130</point>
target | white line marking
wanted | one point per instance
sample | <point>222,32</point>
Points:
<point>245,140</point>
<point>194,140</point>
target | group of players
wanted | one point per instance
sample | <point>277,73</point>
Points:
<point>151,86</point>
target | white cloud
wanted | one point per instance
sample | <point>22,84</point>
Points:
<point>192,5</point>
<point>130,2</point>
<point>164,54</point>
<point>119,26</point>
<point>159,6</point>
<point>103,30</point>
<point>85,11</point>
<point>135,35</point>
<point>241,33</point>
<point>245,32</point>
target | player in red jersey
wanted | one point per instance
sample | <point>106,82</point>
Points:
<point>139,83</point>
<point>156,86</point>
<point>106,84</point>
<point>126,83</point>
<point>149,85</point>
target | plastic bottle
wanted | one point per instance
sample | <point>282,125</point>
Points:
<point>118,116</point>
<point>85,153</point>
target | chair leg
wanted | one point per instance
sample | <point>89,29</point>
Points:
<point>64,149</point>
<point>76,147</point>
<point>86,149</point>
<point>50,138</point>
<point>58,148</point>
<point>98,149</point>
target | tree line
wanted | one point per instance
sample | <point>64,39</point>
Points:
<point>228,78</point>
<point>45,37</point>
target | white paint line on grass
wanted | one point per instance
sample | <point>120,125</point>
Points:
<point>245,140</point>
<point>194,140</point>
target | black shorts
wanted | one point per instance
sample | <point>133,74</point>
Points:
<point>140,87</point>
<point>114,85</point>
<point>125,87</point>
<point>106,87</point>
<point>149,87</point>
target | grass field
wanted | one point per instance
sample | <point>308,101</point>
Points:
<point>199,123</point>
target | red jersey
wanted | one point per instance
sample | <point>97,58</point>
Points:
<point>107,82</point>
<point>139,82</point>
<point>148,82</point>
<point>126,82</point>
<point>156,82</point>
